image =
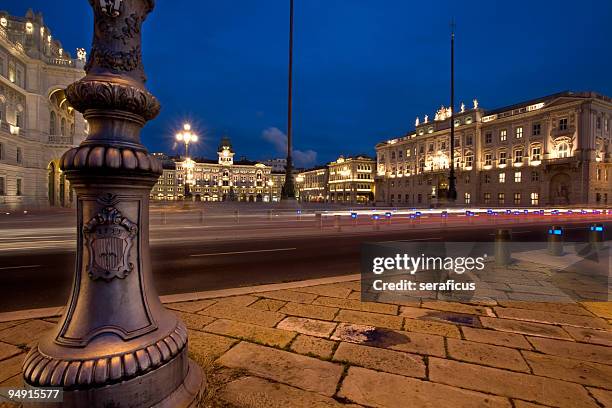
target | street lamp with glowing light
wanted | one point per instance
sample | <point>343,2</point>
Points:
<point>186,136</point>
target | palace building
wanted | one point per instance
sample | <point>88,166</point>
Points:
<point>217,180</point>
<point>347,180</point>
<point>37,124</point>
<point>555,150</point>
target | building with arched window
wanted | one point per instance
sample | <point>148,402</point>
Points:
<point>37,123</point>
<point>555,150</point>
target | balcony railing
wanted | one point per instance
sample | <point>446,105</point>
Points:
<point>61,140</point>
<point>559,160</point>
<point>11,129</point>
<point>64,62</point>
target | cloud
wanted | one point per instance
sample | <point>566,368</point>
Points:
<point>304,158</point>
<point>275,136</point>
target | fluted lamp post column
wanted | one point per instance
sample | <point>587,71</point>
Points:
<point>116,345</point>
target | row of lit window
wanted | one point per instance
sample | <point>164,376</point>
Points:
<point>488,138</point>
<point>486,179</point>
<point>467,198</point>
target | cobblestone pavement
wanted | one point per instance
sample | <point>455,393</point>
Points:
<point>319,346</point>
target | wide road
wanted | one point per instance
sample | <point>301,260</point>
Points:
<point>37,265</point>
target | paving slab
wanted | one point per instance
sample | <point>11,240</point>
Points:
<point>601,309</point>
<point>26,333</point>
<point>337,291</point>
<point>290,296</point>
<point>486,354</point>
<point>194,321</point>
<point>431,327</point>
<point>190,307</point>
<point>303,372</point>
<point>457,308</point>
<point>377,389</point>
<point>395,362</point>
<point>582,372</point>
<point>367,318</point>
<point>313,346</point>
<point>313,327</point>
<point>568,308</point>
<point>498,338</point>
<point>528,328</point>
<point>270,305</point>
<point>253,392</point>
<point>600,337</point>
<point>243,314</point>
<point>603,396</point>
<point>526,404</point>
<point>551,318</point>
<point>355,304</point>
<point>510,384</point>
<point>312,311</point>
<point>11,366</point>
<point>411,342</point>
<point>577,351</point>
<point>251,332</point>
<point>8,350</point>
<point>207,347</point>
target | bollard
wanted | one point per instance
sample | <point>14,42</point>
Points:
<point>337,224</point>
<point>299,214</point>
<point>269,214</point>
<point>503,254</point>
<point>163,217</point>
<point>354,218</point>
<point>469,215</point>
<point>555,241</point>
<point>596,236</point>
<point>444,215</point>
<point>375,218</point>
<point>388,217</point>
<point>237,217</point>
<point>319,220</point>
<point>201,217</point>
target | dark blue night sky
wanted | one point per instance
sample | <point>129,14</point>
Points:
<point>363,69</point>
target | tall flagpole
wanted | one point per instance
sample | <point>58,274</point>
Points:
<point>452,189</point>
<point>288,191</point>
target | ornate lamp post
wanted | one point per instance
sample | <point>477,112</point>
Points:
<point>116,345</point>
<point>187,136</point>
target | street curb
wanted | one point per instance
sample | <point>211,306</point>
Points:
<point>186,297</point>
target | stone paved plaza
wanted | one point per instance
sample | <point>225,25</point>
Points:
<point>320,346</point>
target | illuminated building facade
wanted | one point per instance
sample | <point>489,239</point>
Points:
<point>220,180</point>
<point>344,181</point>
<point>554,150</point>
<point>312,185</point>
<point>37,124</point>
